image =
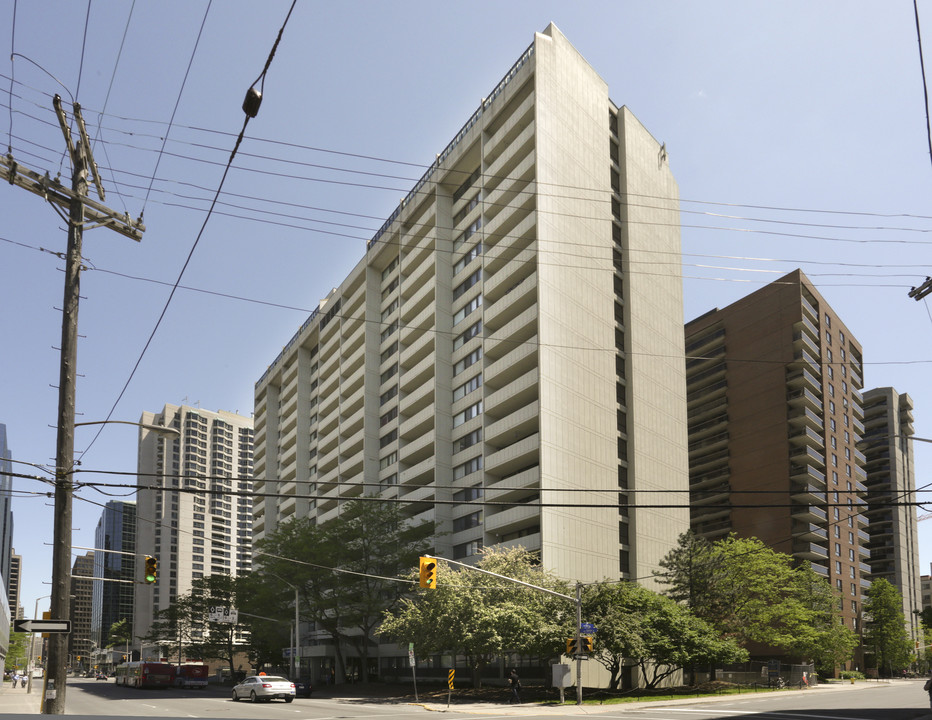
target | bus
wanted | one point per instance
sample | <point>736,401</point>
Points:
<point>191,675</point>
<point>142,674</point>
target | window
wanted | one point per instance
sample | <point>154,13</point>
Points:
<point>831,406</point>
<point>471,493</point>
<point>834,460</point>
<point>390,308</point>
<point>832,423</point>
<point>390,330</point>
<point>837,549</point>
<point>388,460</point>
<point>388,395</point>
<point>469,360</point>
<point>387,290</point>
<point>471,254</point>
<point>468,521</point>
<point>851,554</point>
<point>851,538</point>
<point>831,390</point>
<point>828,354</point>
<point>837,567</point>
<point>828,337</point>
<point>467,468</point>
<point>843,354</point>
<point>834,442</point>
<point>467,233</point>
<point>835,513</point>
<point>837,531</point>
<point>831,372</point>
<point>467,441</point>
<point>847,436</point>
<point>464,188</point>
<point>828,320</point>
<point>466,284</point>
<point>469,413</point>
<point>838,584</point>
<point>388,374</point>
<point>466,208</point>
<point>467,334</point>
<point>388,352</point>
<point>851,571</point>
<point>388,417</point>
<point>391,266</point>
<point>469,307</point>
<point>474,383</point>
<point>467,549</point>
<point>387,440</point>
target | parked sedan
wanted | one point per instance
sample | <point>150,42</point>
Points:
<point>264,687</point>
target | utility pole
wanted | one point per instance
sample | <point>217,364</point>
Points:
<point>81,211</point>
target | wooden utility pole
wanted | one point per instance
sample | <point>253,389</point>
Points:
<point>81,212</point>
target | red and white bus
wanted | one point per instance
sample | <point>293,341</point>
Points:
<point>142,674</point>
<point>191,675</point>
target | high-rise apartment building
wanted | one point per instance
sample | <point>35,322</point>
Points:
<point>775,416</point>
<point>80,642</point>
<point>15,582</point>
<point>493,361</point>
<point>115,559</point>
<point>6,512</point>
<point>189,516</point>
<point>891,480</point>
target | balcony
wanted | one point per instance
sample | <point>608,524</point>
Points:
<point>522,422</point>
<point>806,399</point>
<point>519,297</point>
<point>512,519</point>
<point>809,513</point>
<point>806,417</point>
<point>805,454</point>
<point>802,378</point>
<point>420,422</point>
<point>809,494</point>
<point>520,329</point>
<point>419,474</point>
<point>810,532</point>
<point>515,456</point>
<point>419,448</point>
<point>516,394</point>
<point>512,365</point>
<point>809,551</point>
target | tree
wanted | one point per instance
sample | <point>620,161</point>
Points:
<point>18,650</point>
<point>654,631</point>
<point>825,638</point>
<point>885,627</point>
<point>121,633</point>
<point>746,590</point>
<point>346,569</point>
<point>186,622</point>
<point>480,617</point>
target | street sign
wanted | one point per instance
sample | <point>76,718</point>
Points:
<point>587,628</point>
<point>43,626</point>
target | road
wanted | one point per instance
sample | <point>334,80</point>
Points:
<point>899,700</point>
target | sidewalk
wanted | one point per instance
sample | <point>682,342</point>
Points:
<point>16,701</point>
<point>570,707</point>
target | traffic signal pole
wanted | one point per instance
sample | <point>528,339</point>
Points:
<point>577,600</point>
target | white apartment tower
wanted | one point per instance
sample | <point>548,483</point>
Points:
<point>507,358</point>
<point>188,513</point>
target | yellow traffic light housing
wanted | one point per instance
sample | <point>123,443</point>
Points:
<point>571,646</point>
<point>586,644</point>
<point>152,569</point>
<point>428,568</point>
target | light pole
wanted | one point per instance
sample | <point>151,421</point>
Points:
<point>32,643</point>
<point>294,647</point>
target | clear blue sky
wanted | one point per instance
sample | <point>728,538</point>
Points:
<point>796,131</point>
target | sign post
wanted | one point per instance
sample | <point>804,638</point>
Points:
<point>450,685</point>
<point>412,664</point>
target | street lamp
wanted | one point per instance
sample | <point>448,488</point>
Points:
<point>56,670</point>
<point>294,647</point>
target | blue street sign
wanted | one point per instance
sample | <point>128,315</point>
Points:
<point>587,628</point>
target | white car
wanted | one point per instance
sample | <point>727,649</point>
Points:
<point>264,687</point>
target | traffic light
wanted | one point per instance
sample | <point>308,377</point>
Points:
<point>571,646</point>
<point>428,568</point>
<point>586,643</point>
<point>152,569</point>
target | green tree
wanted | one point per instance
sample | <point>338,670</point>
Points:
<point>825,638</point>
<point>186,622</point>
<point>654,631</point>
<point>17,651</point>
<point>745,589</point>
<point>121,634</point>
<point>885,627</point>
<point>480,617</point>
<point>346,569</point>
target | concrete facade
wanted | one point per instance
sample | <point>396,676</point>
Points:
<point>894,540</point>
<point>491,358</point>
<point>775,415</point>
<point>192,535</point>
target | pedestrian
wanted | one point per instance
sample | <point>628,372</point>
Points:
<point>928,688</point>
<point>515,684</point>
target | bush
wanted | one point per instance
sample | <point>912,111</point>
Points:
<point>851,675</point>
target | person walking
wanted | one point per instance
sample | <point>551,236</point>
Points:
<point>515,684</point>
<point>928,688</point>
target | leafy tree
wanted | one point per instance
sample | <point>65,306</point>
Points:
<point>121,633</point>
<point>751,593</point>
<point>17,651</point>
<point>656,632</point>
<point>885,627</point>
<point>346,569</point>
<point>186,622</point>
<point>825,639</point>
<point>480,617</point>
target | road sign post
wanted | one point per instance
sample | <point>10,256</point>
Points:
<point>25,625</point>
